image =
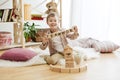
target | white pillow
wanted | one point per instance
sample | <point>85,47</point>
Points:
<point>87,53</point>
<point>105,46</point>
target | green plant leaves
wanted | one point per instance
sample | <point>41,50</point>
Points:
<point>29,30</point>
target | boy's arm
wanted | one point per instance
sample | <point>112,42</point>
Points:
<point>73,35</point>
<point>67,33</point>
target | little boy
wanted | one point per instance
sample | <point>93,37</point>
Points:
<point>56,44</point>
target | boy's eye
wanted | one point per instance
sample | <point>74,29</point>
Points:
<point>52,20</point>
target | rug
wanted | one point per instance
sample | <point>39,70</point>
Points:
<point>34,61</point>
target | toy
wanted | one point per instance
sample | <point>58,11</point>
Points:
<point>70,66</point>
<point>16,15</point>
<point>69,59</point>
<point>61,32</point>
<point>51,7</point>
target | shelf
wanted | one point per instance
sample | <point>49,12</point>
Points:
<point>7,22</point>
<point>20,45</point>
<point>32,43</point>
<point>10,46</point>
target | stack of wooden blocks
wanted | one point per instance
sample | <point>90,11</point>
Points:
<point>69,59</point>
<point>70,66</point>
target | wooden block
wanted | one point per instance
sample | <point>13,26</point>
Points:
<point>69,56</point>
<point>49,36</point>
<point>56,34</point>
<point>83,68</point>
<point>59,33</point>
<point>67,31</point>
<point>74,70</point>
<point>69,59</point>
<point>65,70</point>
<point>70,62</point>
<point>69,65</point>
<point>55,68</point>
<point>63,32</point>
<point>69,68</point>
<point>53,35</point>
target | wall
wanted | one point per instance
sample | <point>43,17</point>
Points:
<point>66,13</point>
<point>99,19</point>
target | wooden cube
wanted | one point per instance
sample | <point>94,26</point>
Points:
<point>65,70</point>
<point>74,70</point>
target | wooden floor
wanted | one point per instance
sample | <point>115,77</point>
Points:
<point>107,67</point>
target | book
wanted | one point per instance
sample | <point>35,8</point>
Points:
<point>1,14</point>
<point>10,15</point>
<point>6,15</point>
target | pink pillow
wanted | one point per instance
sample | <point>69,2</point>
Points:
<point>105,46</point>
<point>18,54</point>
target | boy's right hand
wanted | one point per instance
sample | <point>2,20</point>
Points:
<point>44,40</point>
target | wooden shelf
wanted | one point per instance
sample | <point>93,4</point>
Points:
<point>7,22</point>
<point>20,45</point>
<point>32,44</point>
<point>10,46</point>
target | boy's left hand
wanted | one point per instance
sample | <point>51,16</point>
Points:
<point>75,29</point>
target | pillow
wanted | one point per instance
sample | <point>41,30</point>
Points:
<point>18,54</point>
<point>86,42</point>
<point>105,46</point>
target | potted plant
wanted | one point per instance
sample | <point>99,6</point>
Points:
<point>29,31</point>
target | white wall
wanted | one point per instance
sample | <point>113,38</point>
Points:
<point>66,13</point>
<point>99,19</point>
<point>8,4</point>
<point>76,14</point>
<point>94,19</point>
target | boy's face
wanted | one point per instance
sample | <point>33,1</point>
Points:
<point>52,22</point>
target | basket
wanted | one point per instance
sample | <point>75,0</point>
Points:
<point>5,38</point>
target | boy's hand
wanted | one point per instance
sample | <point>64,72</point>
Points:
<point>44,40</point>
<point>75,29</point>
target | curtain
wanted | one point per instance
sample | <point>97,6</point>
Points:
<point>99,19</point>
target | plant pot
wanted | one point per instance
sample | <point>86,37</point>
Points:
<point>28,39</point>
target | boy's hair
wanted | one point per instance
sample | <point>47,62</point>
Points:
<point>51,15</point>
